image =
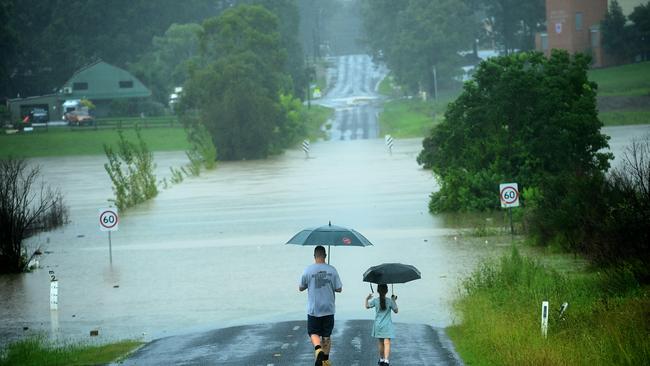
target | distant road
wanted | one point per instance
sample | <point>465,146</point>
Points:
<point>286,343</point>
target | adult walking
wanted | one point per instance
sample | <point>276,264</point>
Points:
<point>322,281</point>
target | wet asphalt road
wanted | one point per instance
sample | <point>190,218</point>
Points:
<point>286,343</point>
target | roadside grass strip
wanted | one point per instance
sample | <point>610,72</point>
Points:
<point>63,142</point>
<point>36,351</point>
<point>607,321</point>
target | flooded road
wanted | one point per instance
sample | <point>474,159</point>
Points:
<point>209,253</point>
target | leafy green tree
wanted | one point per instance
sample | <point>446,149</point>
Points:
<point>166,65</point>
<point>234,92</point>
<point>523,118</point>
<point>514,22</point>
<point>641,30</point>
<point>8,47</point>
<point>616,36</point>
<point>414,36</point>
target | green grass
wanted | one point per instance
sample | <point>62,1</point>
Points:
<point>37,352</point>
<point>619,118</point>
<point>607,321</point>
<point>403,118</point>
<point>82,141</point>
<point>626,80</point>
<point>316,117</point>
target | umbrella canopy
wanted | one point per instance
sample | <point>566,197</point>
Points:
<point>389,273</point>
<point>330,235</point>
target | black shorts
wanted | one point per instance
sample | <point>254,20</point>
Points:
<point>321,325</point>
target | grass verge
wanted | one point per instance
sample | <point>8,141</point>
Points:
<point>64,142</point>
<point>607,321</point>
<point>403,118</point>
<point>37,352</point>
<point>626,80</point>
<point>316,117</point>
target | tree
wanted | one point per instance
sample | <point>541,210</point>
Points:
<point>166,65</point>
<point>234,91</point>
<point>26,208</point>
<point>523,118</point>
<point>615,34</point>
<point>414,36</point>
<point>8,40</point>
<point>514,22</point>
<point>641,30</point>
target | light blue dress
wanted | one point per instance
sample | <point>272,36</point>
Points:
<point>383,327</point>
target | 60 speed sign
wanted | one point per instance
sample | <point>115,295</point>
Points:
<point>108,219</point>
<point>509,194</point>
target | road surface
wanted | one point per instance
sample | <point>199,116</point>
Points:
<point>286,343</point>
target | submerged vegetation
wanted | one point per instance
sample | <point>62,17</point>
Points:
<point>38,352</point>
<point>606,322</point>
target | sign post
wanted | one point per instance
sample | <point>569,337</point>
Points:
<point>389,143</point>
<point>305,148</point>
<point>509,196</point>
<point>108,221</point>
<point>54,292</point>
<point>544,318</point>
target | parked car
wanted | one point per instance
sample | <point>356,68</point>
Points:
<point>79,118</point>
<point>38,115</point>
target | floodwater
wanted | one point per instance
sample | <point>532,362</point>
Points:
<point>209,252</point>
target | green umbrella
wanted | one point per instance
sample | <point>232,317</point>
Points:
<point>330,235</point>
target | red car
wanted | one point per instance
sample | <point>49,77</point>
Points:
<point>79,118</point>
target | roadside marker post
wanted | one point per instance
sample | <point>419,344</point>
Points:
<point>108,221</point>
<point>54,292</point>
<point>544,318</point>
<point>305,148</point>
<point>389,143</point>
<point>509,197</point>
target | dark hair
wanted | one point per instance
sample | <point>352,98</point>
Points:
<point>382,289</point>
<point>319,251</point>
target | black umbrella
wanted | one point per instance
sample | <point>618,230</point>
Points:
<point>330,235</point>
<point>390,273</point>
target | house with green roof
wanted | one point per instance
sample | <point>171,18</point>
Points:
<point>99,82</point>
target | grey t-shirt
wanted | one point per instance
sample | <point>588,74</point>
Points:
<point>321,280</point>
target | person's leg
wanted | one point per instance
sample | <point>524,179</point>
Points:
<point>386,349</point>
<point>315,339</point>
<point>328,326</point>
<point>314,330</point>
<point>380,347</point>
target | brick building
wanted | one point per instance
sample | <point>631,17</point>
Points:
<point>574,25</point>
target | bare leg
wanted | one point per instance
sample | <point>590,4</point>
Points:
<point>386,348</point>
<point>315,339</point>
<point>380,345</point>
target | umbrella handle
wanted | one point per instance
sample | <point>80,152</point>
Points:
<point>392,292</point>
<point>371,290</point>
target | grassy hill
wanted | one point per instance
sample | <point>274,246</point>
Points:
<point>626,80</point>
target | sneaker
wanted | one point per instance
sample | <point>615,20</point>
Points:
<point>320,357</point>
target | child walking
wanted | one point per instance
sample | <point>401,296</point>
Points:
<point>383,329</point>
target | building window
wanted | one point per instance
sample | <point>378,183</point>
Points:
<point>544,38</point>
<point>80,86</point>
<point>126,84</point>
<point>578,21</point>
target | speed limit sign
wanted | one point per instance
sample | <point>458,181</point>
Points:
<point>108,219</point>
<point>509,194</point>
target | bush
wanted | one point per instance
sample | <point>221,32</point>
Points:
<point>25,209</point>
<point>131,171</point>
